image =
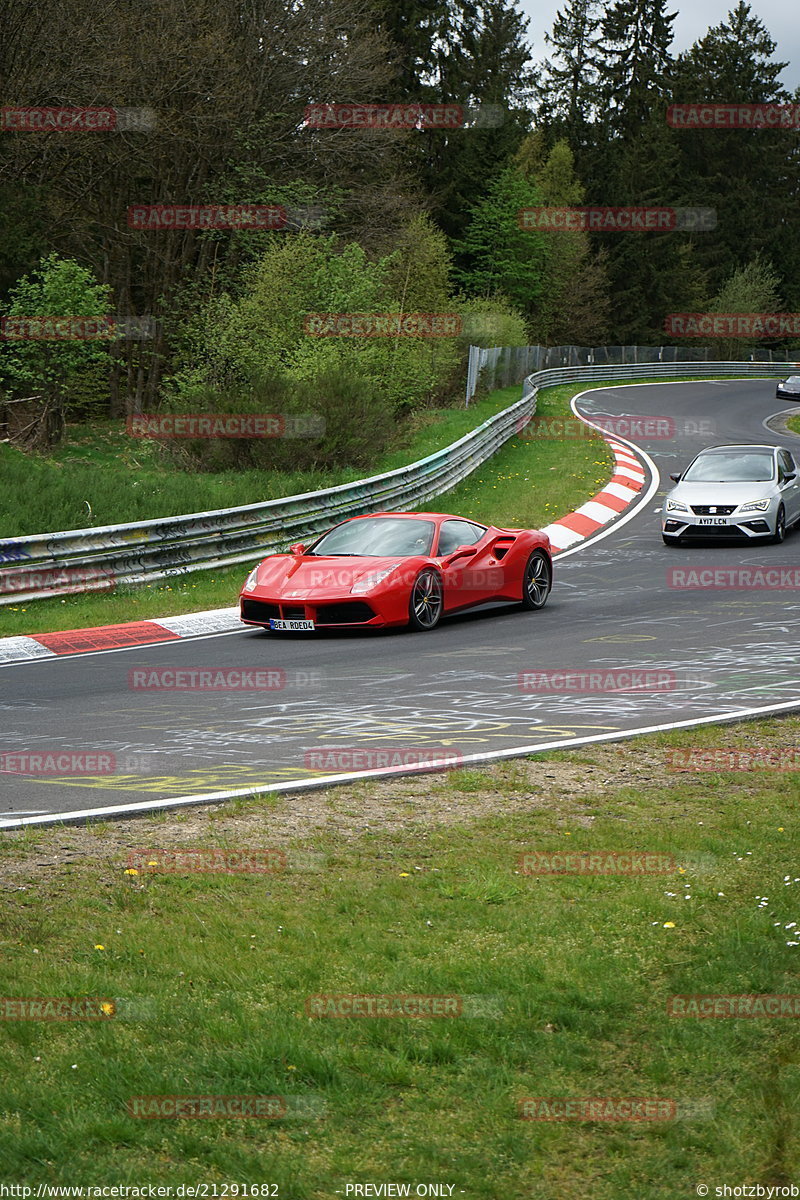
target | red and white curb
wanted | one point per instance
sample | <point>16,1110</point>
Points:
<point>118,637</point>
<point>623,487</point>
<point>620,491</point>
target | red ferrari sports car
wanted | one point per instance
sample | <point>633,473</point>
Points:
<point>397,569</point>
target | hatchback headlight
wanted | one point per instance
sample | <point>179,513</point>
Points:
<point>676,506</point>
<point>251,581</point>
<point>755,506</point>
<point>367,582</point>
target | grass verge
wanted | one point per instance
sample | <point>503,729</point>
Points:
<point>418,891</point>
<point>101,476</point>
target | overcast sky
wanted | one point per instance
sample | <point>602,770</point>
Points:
<point>694,18</point>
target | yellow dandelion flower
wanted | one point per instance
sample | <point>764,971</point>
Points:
<point>669,924</point>
<point>404,874</point>
<point>131,871</point>
<point>98,947</point>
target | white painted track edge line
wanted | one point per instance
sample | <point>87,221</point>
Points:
<point>395,772</point>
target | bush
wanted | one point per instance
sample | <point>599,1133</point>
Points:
<point>353,423</point>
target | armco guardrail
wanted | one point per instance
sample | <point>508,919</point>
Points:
<point>79,560</point>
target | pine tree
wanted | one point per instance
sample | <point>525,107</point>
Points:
<point>751,178</point>
<point>636,37</point>
<point>567,89</point>
<point>472,53</point>
<point>497,255</point>
<point>574,303</point>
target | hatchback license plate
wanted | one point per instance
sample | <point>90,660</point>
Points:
<point>275,623</point>
<point>712,521</point>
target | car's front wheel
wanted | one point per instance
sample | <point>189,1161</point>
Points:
<point>427,601</point>
<point>780,526</point>
<point>537,581</point>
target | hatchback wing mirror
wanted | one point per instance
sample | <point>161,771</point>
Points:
<point>676,478</point>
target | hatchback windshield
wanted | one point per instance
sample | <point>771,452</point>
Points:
<point>378,537</point>
<point>731,466</point>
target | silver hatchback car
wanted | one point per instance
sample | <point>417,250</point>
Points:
<point>733,491</point>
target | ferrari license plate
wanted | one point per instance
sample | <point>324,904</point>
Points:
<point>275,623</point>
<point>712,521</point>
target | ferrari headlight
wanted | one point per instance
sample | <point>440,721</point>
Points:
<point>251,581</point>
<point>367,582</point>
<point>676,506</point>
<point>755,506</point>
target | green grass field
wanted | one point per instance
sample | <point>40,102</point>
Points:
<point>417,890</point>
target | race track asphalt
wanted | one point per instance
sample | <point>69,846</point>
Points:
<point>719,651</point>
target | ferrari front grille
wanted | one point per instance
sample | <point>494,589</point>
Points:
<point>348,612</point>
<point>258,610</point>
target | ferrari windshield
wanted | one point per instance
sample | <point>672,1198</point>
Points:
<point>731,466</point>
<point>378,537</point>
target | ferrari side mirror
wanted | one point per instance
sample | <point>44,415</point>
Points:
<point>298,548</point>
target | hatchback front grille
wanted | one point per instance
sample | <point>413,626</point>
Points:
<point>713,531</point>
<point>712,510</point>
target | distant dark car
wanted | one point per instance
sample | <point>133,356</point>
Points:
<point>789,389</point>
